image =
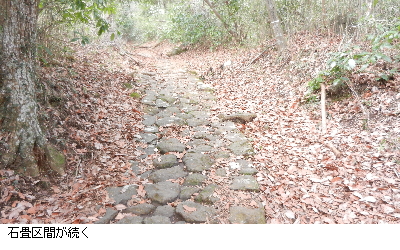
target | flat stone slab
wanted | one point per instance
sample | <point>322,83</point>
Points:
<point>241,164</point>
<point>131,220</point>
<point>194,179</point>
<point>248,171</point>
<point>149,120</point>
<point>166,211</point>
<point>151,110</point>
<point>224,127</point>
<point>170,145</point>
<point>109,216</point>
<point>121,195</point>
<point>157,219</point>
<point>149,100</point>
<point>195,122</point>
<point>200,215</point>
<point>220,172</point>
<point>167,98</point>
<point>167,174</point>
<point>235,137</point>
<point>140,209</point>
<point>161,104</point>
<point>165,161</point>
<point>166,121</point>
<point>187,192</point>
<point>200,149</point>
<point>135,167</point>
<point>197,162</point>
<point>189,107</point>
<point>206,195</point>
<point>244,215</point>
<point>200,114</point>
<point>151,129</point>
<point>222,154</point>
<point>163,192</point>
<point>148,138</point>
<point>238,117</point>
<point>241,148</point>
<point>245,182</point>
<point>204,135</point>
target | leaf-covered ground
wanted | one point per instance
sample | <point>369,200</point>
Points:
<point>95,115</point>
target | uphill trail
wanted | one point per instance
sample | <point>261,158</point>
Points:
<point>238,147</point>
<point>187,146</point>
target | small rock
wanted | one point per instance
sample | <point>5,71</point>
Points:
<point>245,183</point>
<point>169,121</point>
<point>248,171</point>
<point>204,135</point>
<point>170,145</point>
<point>243,215</point>
<point>151,110</point>
<point>241,148</point>
<point>201,149</point>
<point>109,216</point>
<point>148,138</point>
<point>121,198</point>
<point>161,104</point>
<point>135,167</point>
<point>165,161</point>
<point>163,192</point>
<point>222,154</point>
<point>220,172</point>
<point>194,179</point>
<point>206,195</point>
<point>168,98</point>
<point>224,127</point>
<point>149,121</point>
<point>195,122</point>
<point>151,129</point>
<point>197,162</point>
<point>187,192</point>
<point>131,220</point>
<point>167,174</point>
<point>140,209</point>
<point>239,117</point>
<point>146,175</point>
<point>157,219</point>
<point>235,137</point>
<point>199,216</point>
<point>166,211</point>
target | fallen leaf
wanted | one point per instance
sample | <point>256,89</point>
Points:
<point>290,214</point>
<point>31,210</point>
<point>336,179</point>
<point>141,191</point>
<point>120,206</point>
<point>189,209</point>
<point>369,199</point>
<point>253,203</point>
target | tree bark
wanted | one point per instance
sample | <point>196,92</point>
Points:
<point>22,142</point>
<point>276,25</point>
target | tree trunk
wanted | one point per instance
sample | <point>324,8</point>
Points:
<point>22,143</point>
<point>235,36</point>
<point>276,25</point>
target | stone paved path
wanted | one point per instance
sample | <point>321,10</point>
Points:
<point>177,105</point>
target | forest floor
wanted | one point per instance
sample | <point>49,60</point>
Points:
<point>95,116</point>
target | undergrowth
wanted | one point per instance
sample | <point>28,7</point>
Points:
<point>377,59</point>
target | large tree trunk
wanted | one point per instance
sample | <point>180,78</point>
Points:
<point>22,143</point>
<point>276,25</point>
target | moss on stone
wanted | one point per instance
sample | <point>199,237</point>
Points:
<point>56,160</point>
